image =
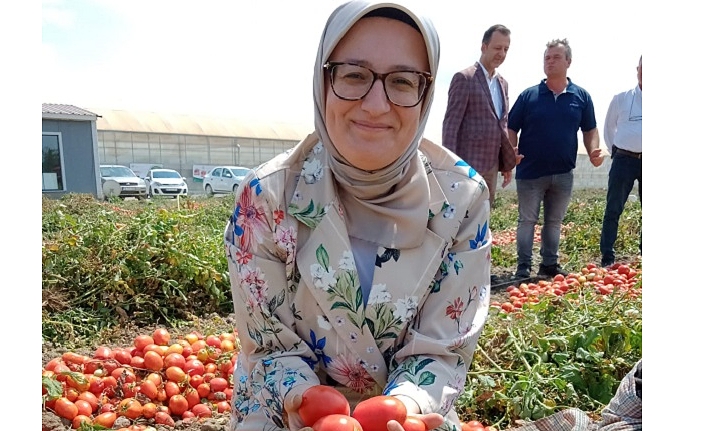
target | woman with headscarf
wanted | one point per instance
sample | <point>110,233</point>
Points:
<point>360,258</point>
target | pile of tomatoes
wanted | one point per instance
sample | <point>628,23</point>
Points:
<point>618,277</point>
<point>152,382</point>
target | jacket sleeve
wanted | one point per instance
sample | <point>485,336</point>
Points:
<point>432,365</point>
<point>258,246</point>
<point>455,110</point>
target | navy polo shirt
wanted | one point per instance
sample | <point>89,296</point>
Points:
<point>548,128</point>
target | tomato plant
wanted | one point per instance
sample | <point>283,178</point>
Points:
<point>374,413</point>
<point>319,401</point>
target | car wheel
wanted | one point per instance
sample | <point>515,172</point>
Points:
<point>235,188</point>
<point>209,190</point>
<point>149,193</point>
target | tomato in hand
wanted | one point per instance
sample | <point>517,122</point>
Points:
<point>374,413</point>
<point>337,422</point>
<point>319,401</point>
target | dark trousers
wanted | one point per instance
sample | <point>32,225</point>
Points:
<point>624,170</point>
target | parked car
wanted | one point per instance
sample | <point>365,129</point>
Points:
<point>121,181</point>
<point>224,179</point>
<point>166,182</point>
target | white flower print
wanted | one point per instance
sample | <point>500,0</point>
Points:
<point>450,211</point>
<point>284,237</point>
<point>379,294</point>
<point>354,337</point>
<point>323,279</point>
<point>317,148</point>
<point>405,308</point>
<point>454,186</point>
<point>340,321</point>
<point>323,322</point>
<point>255,284</point>
<point>312,171</point>
<point>346,263</point>
<point>297,196</point>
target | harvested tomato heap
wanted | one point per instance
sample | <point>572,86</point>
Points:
<point>605,281</point>
<point>151,383</point>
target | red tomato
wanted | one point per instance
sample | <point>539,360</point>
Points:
<point>142,341</point>
<point>175,374</point>
<point>149,389</point>
<point>74,358</point>
<point>137,362</point>
<point>153,361</point>
<point>80,420</point>
<point>149,410</point>
<point>171,389</point>
<point>174,360</point>
<point>178,404</point>
<point>52,364</point>
<point>413,423</point>
<point>374,413</point>
<point>65,408</point>
<point>213,341</point>
<point>218,384</point>
<point>202,411</point>
<point>161,337</point>
<point>472,426</point>
<point>123,356</point>
<point>319,401</point>
<point>223,406</point>
<point>163,418</point>
<point>194,366</point>
<point>203,389</point>
<point>130,407</point>
<point>192,397</point>
<point>84,407</point>
<point>337,422</point>
<point>91,399</point>
<point>103,352</point>
<point>105,419</point>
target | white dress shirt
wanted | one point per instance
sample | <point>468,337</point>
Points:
<point>623,122</point>
<point>495,92</point>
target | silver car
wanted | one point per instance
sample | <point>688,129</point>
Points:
<point>166,182</point>
<point>120,181</point>
<point>224,179</point>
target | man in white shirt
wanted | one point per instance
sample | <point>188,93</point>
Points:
<point>623,135</point>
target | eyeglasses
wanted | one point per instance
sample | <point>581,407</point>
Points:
<point>632,117</point>
<point>405,88</point>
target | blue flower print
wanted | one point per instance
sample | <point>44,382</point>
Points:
<point>471,172</point>
<point>255,184</point>
<point>481,239</point>
<point>317,346</point>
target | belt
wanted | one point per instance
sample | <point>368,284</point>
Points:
<point>627,153</point>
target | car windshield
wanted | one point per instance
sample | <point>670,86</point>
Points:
<point>165,174</point>
<point>116,171</point>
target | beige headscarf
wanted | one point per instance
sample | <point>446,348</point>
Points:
<point>390,206</point>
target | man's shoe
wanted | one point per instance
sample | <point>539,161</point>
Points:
<point>550,270</point>
<point>605,263</point>
<point>522,273</point>
<point>494,279</point>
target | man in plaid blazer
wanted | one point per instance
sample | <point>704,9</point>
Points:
<point>475,124</point>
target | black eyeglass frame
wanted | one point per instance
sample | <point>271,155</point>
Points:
<point>428,78</point>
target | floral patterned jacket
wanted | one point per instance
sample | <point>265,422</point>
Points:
<point>299,307</point>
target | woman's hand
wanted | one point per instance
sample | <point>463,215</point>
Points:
<point>431,420</point>
<point>291,406</point>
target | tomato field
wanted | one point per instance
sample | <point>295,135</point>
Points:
<point>141,354</point>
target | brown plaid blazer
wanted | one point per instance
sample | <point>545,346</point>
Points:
<point>471,128</point>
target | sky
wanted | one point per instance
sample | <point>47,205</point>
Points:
<point>255,59</point>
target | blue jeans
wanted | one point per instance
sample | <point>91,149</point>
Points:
<point>624,171</point>
<point>554,191</point>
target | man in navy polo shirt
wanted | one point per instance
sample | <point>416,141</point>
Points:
<point>547,117</point>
